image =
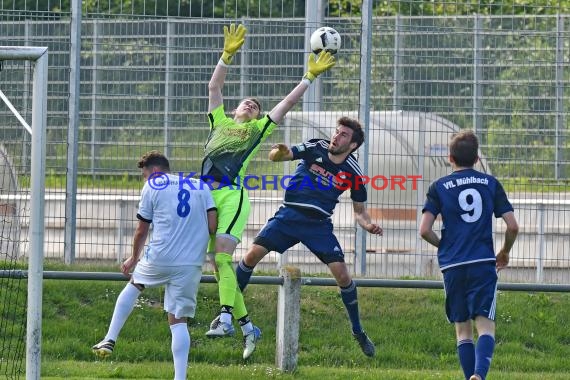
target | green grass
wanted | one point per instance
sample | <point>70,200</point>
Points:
<point>199,371</point>
<point>530,185</point>
<point>408,327</point>
<point>413,338</point>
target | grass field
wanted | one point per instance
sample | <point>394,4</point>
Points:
<point>413,339</point>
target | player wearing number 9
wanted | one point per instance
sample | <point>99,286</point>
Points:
<point>183,216</point>
<point>467,200</point>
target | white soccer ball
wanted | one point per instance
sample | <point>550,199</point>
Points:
<point>325,38</point>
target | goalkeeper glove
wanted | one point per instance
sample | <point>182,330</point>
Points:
<point>319,64</point>
<point>233,39</point>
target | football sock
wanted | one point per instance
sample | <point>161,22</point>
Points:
<point>484,355</point>
<point>349,297</point>
<point>180,348</point>
<point>239,310</point>
<point>227,283</point>
<point>226,314</point>
<point>123,307</point>
<point>466,353</point>
<point>246,325</point>
<point>243,274</point>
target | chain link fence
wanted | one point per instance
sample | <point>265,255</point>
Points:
<point>144,72</point>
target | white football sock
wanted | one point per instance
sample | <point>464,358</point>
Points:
<point>180,349</point>
<point>123,307</point>
<point>247,328</point>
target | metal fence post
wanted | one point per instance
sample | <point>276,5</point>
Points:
<point>541,245</point>
<point>95,138</point>
<point>314,11</point>
<point>398,46</point>
<point>560,123</point>
<point>73,134</point>
<point>244,59</point>
<point>477,74</point>
<point>121,230</point>
<point>170,30</point>
<point>420,194</point>
<point>364,116</point>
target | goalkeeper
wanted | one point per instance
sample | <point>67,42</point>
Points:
<point>231,144</point>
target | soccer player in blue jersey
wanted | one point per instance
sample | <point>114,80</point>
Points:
<point>232,143</point>
<point>466,199</point>
<point>325,171</point>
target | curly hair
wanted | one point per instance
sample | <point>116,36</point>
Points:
<point>154,158</point>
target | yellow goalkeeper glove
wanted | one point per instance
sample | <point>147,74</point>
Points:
<point>233,39</point>
<point>319,64</point>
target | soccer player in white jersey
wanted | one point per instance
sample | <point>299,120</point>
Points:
<point>467,200</point>
<point>183,215</point>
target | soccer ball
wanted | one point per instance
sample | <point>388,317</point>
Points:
<point>325,38</point>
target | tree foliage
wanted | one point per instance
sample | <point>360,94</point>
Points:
<point>435,67</point>
<point>287,8</point>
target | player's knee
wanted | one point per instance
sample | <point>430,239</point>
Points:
<point>485,326</point>
<point>223,260</point>
<point>140,287</point>
<point>343,281</point>
<point>254,255</point>
<point>340,272</point>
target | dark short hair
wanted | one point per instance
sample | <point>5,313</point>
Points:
<point>357,132</point>
<point>464,148</point>
<point>154,158</point>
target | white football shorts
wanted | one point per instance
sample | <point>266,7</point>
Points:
<point>180,285</point>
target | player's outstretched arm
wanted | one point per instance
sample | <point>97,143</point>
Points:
<point>234,38</point>
<point>510,237</point>
<point>316,66</point>
<point>363,219</point>
<point>280,152</point>
<point>426,229</point>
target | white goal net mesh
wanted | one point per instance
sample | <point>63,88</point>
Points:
<point>15,163</point>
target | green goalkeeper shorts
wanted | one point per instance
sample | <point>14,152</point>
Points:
<point>233,211</point>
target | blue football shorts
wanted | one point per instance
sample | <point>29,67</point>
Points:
<point>470,290</point>
<point>290,226</point>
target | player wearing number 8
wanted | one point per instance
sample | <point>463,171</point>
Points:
<point>467,200</point>
<point>183,216</point>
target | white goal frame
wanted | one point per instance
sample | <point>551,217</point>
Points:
<point>38,55</point>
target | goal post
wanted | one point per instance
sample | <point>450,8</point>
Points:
<point>39,57</point>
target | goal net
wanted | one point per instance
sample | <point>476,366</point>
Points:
<point>23,77</point>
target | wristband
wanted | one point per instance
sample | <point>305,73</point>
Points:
<point>309,76</point>
<point>306,81</point>
<point>222,63</point>
<point>227,58</point>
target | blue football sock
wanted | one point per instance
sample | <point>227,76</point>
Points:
<point>466,353</point>
<point>484,355</point>
<point>349,297</point>
<point>243,274</point>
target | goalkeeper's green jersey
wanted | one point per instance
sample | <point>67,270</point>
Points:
<point>230,145</point>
